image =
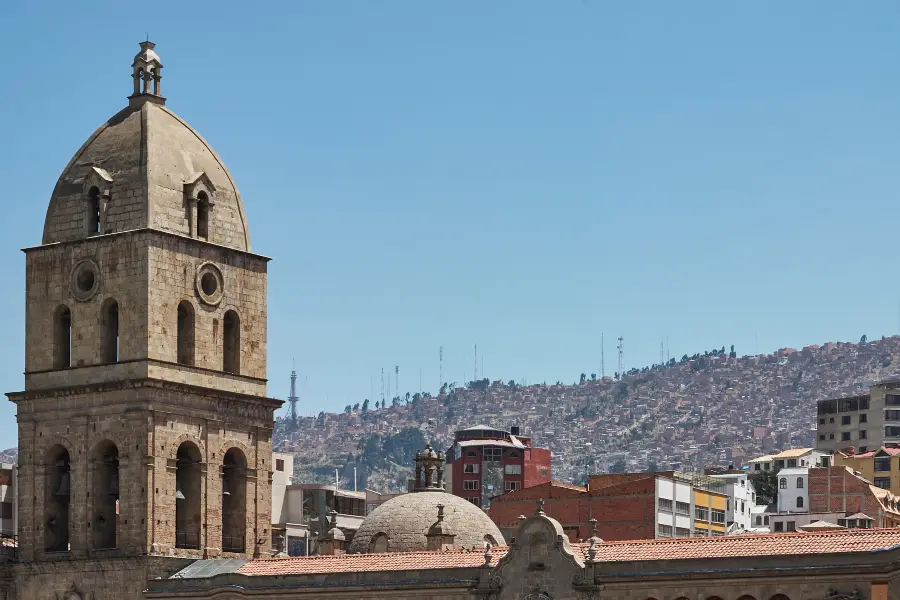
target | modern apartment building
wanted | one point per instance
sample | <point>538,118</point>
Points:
<point>740,498</point>
<point>881,466</point>
<point>485,462</point>
<point>788,459</point>
<point>860,422</point>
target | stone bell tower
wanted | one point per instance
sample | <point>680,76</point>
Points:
<point>144,426</point>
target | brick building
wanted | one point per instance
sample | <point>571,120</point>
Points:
<point>840,492</point>
<point>625,506</point>
<point>485,462</point>
<point>144,428</point>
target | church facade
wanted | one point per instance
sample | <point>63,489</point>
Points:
<point>144,426</point>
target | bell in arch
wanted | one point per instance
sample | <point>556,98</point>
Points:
<point>179,495</point>
<point>63,489</point>
<point>114,483</point>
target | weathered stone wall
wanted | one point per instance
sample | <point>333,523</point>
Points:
<point>122,275</point>
<point>146,421</point>
<point>172,267</point>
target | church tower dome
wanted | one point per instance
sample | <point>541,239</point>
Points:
<point>147,168</point>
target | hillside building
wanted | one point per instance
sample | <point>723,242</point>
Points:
<point>881,466</point>
<point>860,423</point>
<point>484,462</point>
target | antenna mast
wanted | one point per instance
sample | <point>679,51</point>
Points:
<point>441,369</point>
<point>475,377</point>
<point>602,357</point>
<point>382,384</point>
<point>293,398</point>
<point>662,356</point>
<point>621,347</point>
<point>397,379</point>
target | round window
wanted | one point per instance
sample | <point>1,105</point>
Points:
<point>209,283</point>
<point>85,280</point>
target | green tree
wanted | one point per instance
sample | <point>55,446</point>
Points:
<point>593,377</point>
<point>618,466</point>
<point>365,406</point>
<point>766,485</point>
<point>356,407</point>
<point>863,339</point>
<point>348,409</point>
<point>583,377</point>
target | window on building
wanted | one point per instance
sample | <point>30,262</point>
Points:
<point>94,210</point>
<point>861,449</point>
<point>883,482</point>
<point>756,467</point>
<point>683,508</point>
<point>845,436</point>
<point>779,464</point>
<point>779,527</point>
<point>831,436</point>
<point>470,468</point>
<point>821,421</point>
<point>862,434</point>
<point>665,504</point>
<point>766,520</point>
<point>62,338</point>
<point>279,464</point>
<point>701,513</point>
<point>758,521</point>
<point>765,466</point>
<point>822,437</point>
<point>475,500</point>
<point>743,508</point>
<point>513,469</point>
<point>187,496</point>
<point>110,323</point>
<point>493,454</point>
<point>826,461</point>
<point>56,500</point>
<point>202,216</point>
<point>864,403</point>
<point>791,463</point>
<point>799,483</point>
<point>792,526</point>
<point>471,484</point>
<point>799,501</point>
<point>511,486</point>
<point>105,496</point>
<point>863,418</point>
<point>783,483</point>
<point>831,419</point>
<point>665,530</point>
<point>718,515</point>
<point>892,431</point>
<point>185,333</point>
<point>845,420</point>
<point>472,454</point>
<point>682,532</point>
<point>892,415</point>
<point>234,501</point>
<point>231,346</point>
<point>883,464</point>
<point>513,454</point>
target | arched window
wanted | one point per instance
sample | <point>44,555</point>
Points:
<point>187,496</point>
<point>202,216</point>
<point>783,483</point>
<point>185,332</point>
<point>231,346</point>
<point>766,520</point>
<point>746,598</point>
<point>378,544</point>
<point>105,495</point>
<point>758,521</point>
<point>799,501</point>
<point>57,491</point>
<point>234,501</point>
<point>93,210</point>
<point>62,338</point>
<point>779,597</point>
<point>799,483</point>
<point>111,331</point>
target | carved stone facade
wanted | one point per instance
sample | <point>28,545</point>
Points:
<point>144,428</point>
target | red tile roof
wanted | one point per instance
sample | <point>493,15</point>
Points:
<point>784,544</point>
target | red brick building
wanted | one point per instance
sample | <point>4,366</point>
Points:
<point>624,506</point>
<point>484,462</point>
<point>838,491</point>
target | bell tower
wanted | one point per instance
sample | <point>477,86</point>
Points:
<point>144,427</point>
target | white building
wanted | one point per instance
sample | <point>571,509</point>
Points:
<point>793,492</point>
<point>674,508</point>
<point>761,518</point>
<point>788,459</point>
<point>741,500</point>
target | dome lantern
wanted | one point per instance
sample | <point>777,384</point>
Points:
<point>146,70</point>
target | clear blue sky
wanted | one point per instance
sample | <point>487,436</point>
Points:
<point>523,175</point>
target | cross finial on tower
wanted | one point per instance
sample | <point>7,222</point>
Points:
<point>540,506</point>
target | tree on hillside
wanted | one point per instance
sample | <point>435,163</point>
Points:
<point>365,406</point>
<point>348,409</point>
<point>863,339</point>
<point>766,485</point>
<point>732,354</point>
<point>356,407</point>
<point>583,377</point>
<point>618,466</point>
<point>593,377</point>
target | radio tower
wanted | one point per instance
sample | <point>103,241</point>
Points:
<point>397,379</point>
<point>602,358</point>
<point>382,385</point>
<point>293,398</point>
<point>475,378</point>
<point>621,356</point>
<point>662,355</point>
<point>441,369</point>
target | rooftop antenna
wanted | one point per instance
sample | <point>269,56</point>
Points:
<point>441,368</point>
<point>293,397</point>
<point>382,384</point>
<point>475,377</point>
<point>621,348</point>
<point>602,357</point>
<point>662,356</point>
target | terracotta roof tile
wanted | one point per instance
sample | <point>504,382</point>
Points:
<point>783,544</point>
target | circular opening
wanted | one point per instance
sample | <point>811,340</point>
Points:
<point>209,284</point>
<point>85,279</point>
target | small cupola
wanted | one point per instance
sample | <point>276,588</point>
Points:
<point>146,70</point>
<point>440,535</point>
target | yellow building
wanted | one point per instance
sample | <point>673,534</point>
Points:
<point>880,466</point>
<point>710,502</point>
